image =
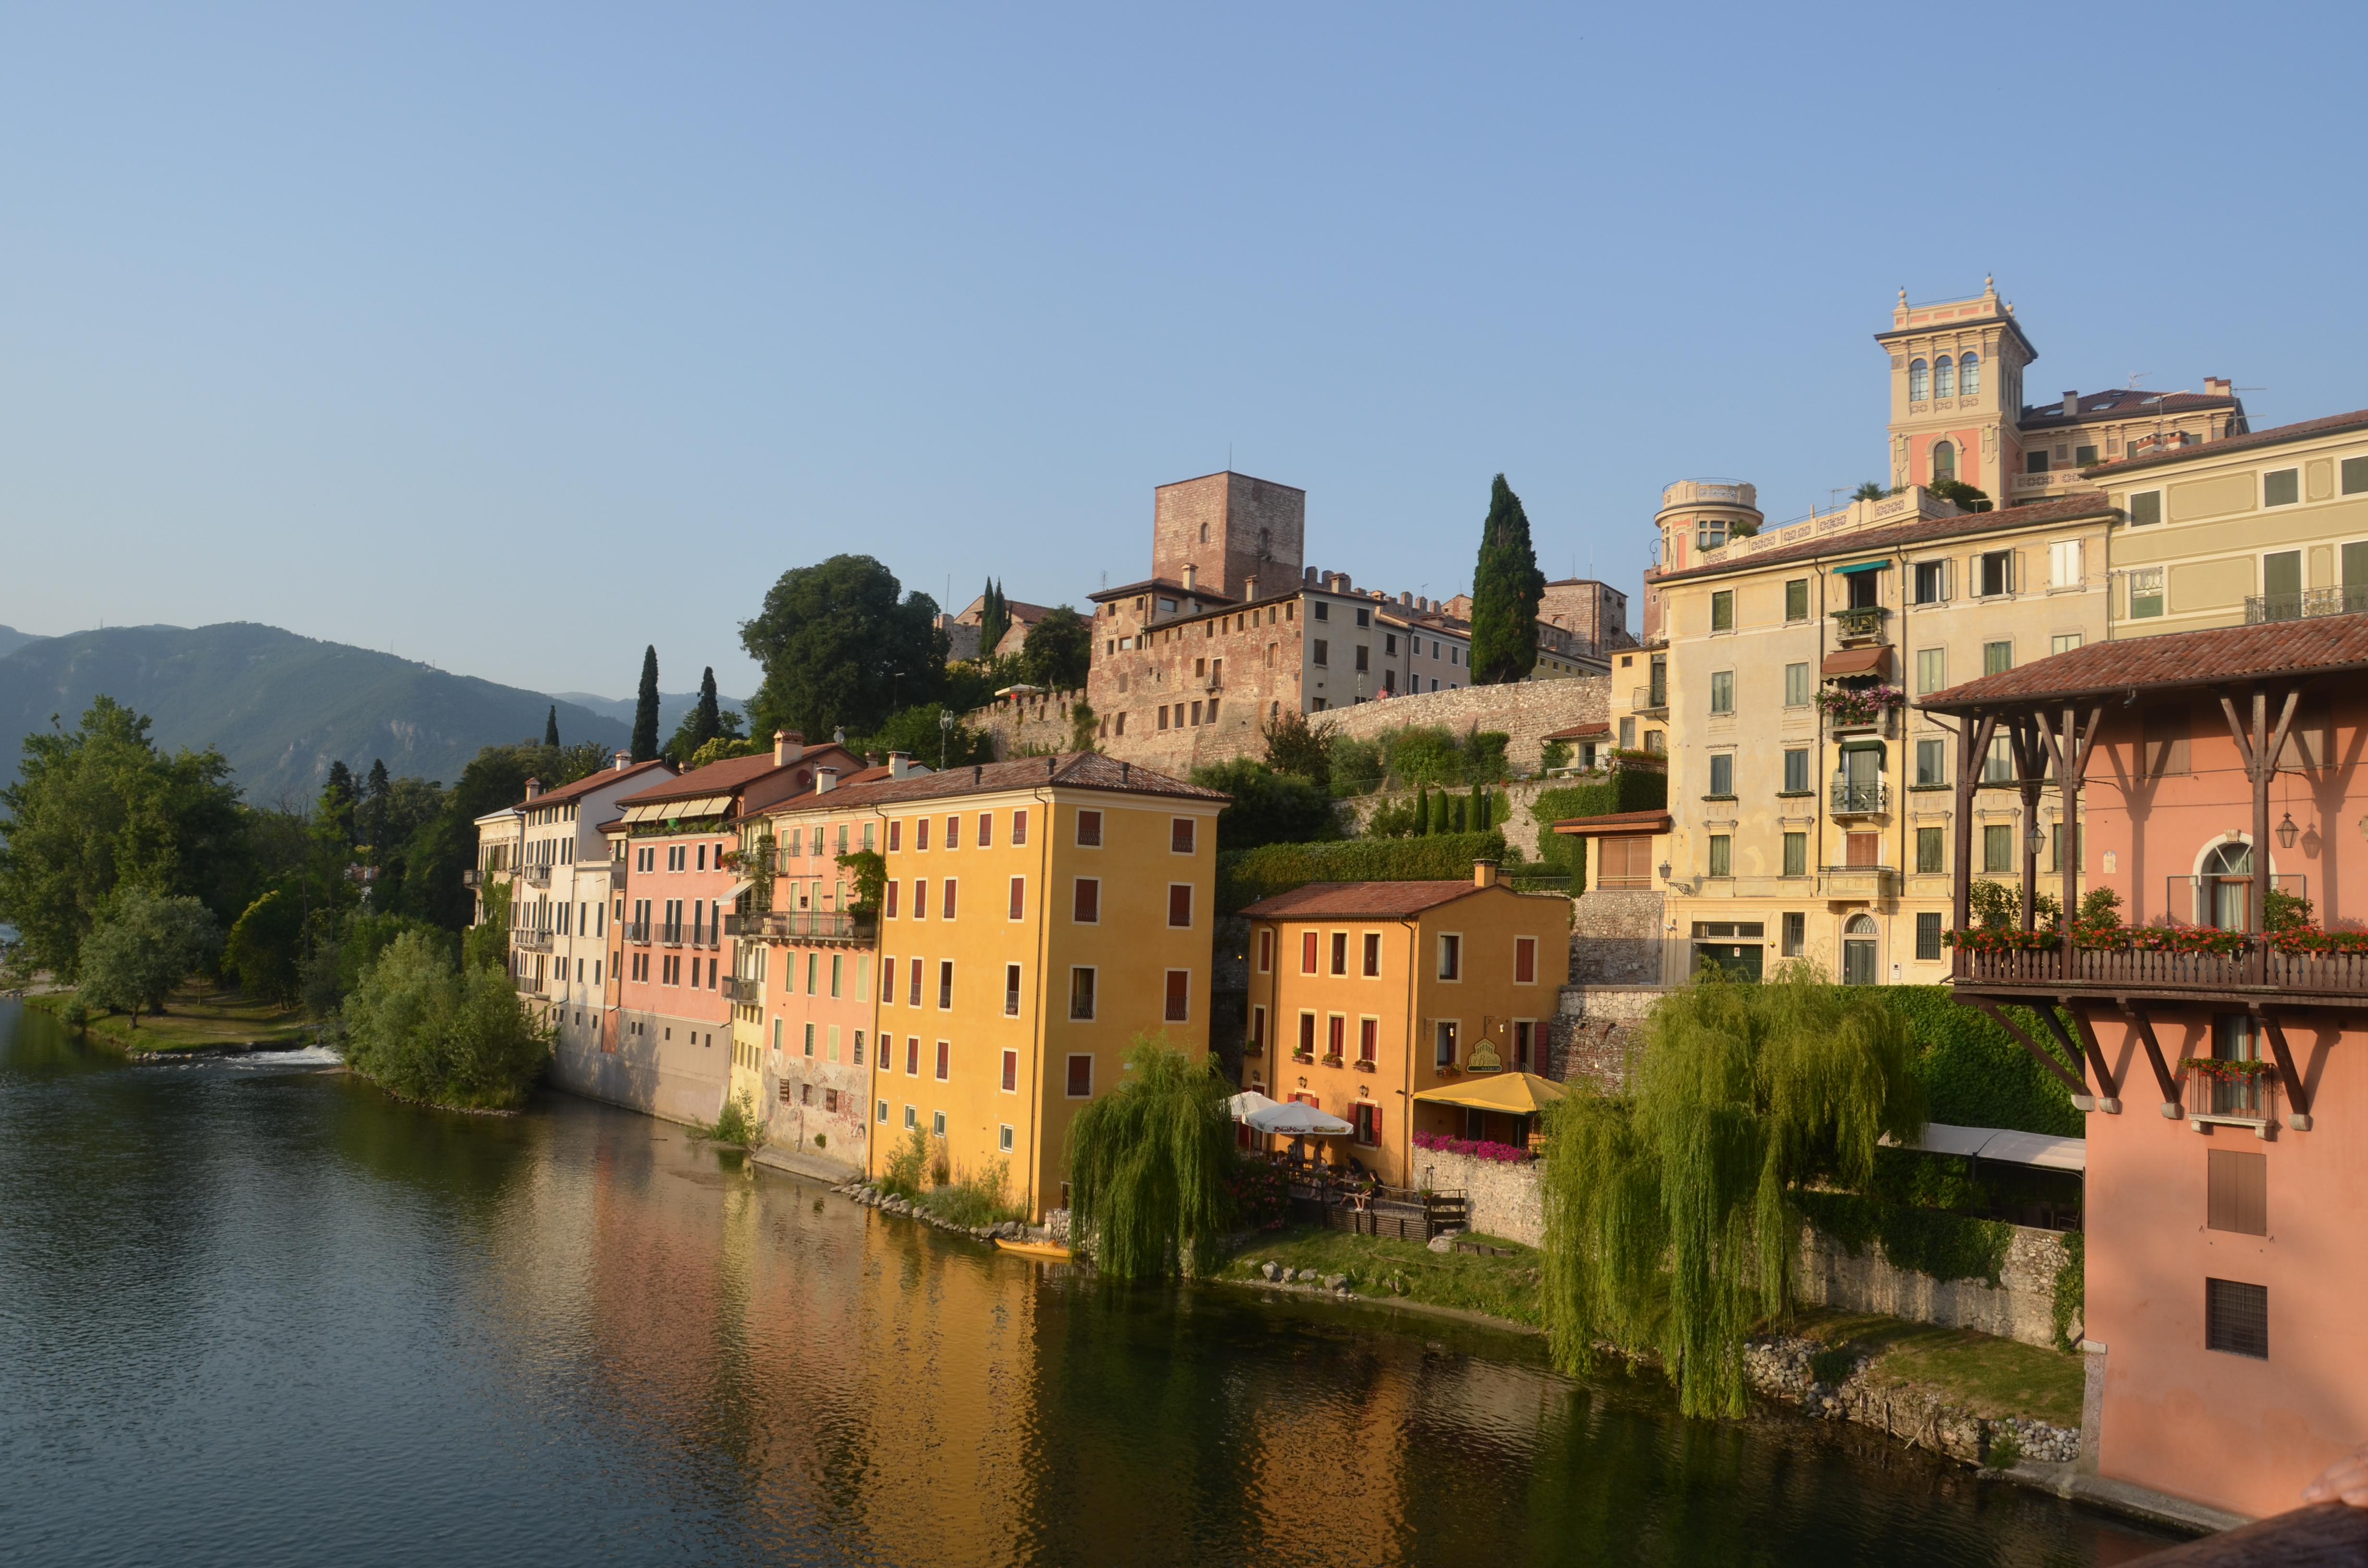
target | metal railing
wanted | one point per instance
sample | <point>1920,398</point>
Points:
<point>1860,799</point>
<point>536,876</point>
<point>637,932</point>
<point>748,992</point>
<point>2346,600</point>
<point>531,941</point>
<point>1643,700</point>
<point>1861,620</point>
<point>670,935</point>
<point>473,878</point>
<point>2133,971</point>
<point>825,924</point>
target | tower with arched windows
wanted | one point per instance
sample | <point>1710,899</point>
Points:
<point>1956,391</point>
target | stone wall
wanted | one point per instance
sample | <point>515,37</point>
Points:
<point>1030,727</point>
<point>1594,1033</point>
<point>1523,834</point>
<point>1526,710</point>
<point>1502,1200</point>
<point>1616,939</point>
<point>2021,1306</point>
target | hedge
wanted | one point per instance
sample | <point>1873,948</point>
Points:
<point>1977,1074</point>
<point>1630,789</point>
<point>1244,876</point>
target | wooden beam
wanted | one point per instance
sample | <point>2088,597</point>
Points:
<point>2297,1096</point>
<point>2162,1074</point>
<point>1973,747</point>
<point>2046,1057</point>
<point>2110,1101</point>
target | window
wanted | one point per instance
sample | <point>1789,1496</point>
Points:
<point>1180,904</point>
<point>1796,687</point>
<point>2237,1318</point>
<point>1323,609</point>
<point>1930,582</point>
<point>2355,477</point>
<point>1257,1031</point>
<point>1450,955</point>
<point>945,1060</point>
<point>1266,950</point>
<point>1722,855</point>
<point>1366,1118</point>
<point>951,888</point>
<point>1340,952</point>
<point>945,984</point>
<point>1919,380</point>
<point>1656,682</point>
<point>2062,642</point>
<point>2056,847</point>
<point>1010,991</point>
<point>1995,573</point>
<point>1323,649</point>
<point>1794,940</point>
<point>1931,670</point>
<point>1081,993</point>
<point>1996,658</point>
<point>1306,1036</point>
<point>2282,487</point>
<point>1944,378</point>
<point>920,899</point>
<point>1721,691</point>
<point>1335,1031</point>
<point>1019,898</point>
<point>1969,375</point>
<point>1928,852</point>
<point>1088,910</point>
<point>1928,931</point>
<point>912,1058</point>
<point>2064,563</point>
<point>890,910</point>
<point>1018,829</point>
<point>1796,599</point>
<point>912,1117</point>
<point>2238,1192</point>
<point>1998,847</point>
<point>1179,995</point>
<point>1307,944</point>
<point>1722,610</point>
<point>1373,953</point>
<point>953,833</point>
<point>986,830</point>
<point>1997,767</point>
<point>1002,1138</point>
<point>936,1124</point>
<point>1627,735</point>
<point>1626,863</point>
<point>1722,773</point>
<point>2083,456</point>
<point>2145,507</point>
<point>2146,593</point>
<point>1796,853</point>
<point>920,835</point>
<point>883,1113</point>
<point>1089,830</point>
<point>1796,771</point>
<point>1931,763</point>
<point>1944,461</point>
<point>1442,1043</point>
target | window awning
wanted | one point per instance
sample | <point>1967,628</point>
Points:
<point>1857,662</point>
<point>1856,567</point>
<point>1876,746</point>
<point>679,810</point>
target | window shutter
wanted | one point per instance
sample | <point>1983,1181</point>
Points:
<point>2238,1192</point>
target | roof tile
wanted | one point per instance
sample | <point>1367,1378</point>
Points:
<point>2317,645</point>
<point>2332,425</point>
<point>2088,504</point>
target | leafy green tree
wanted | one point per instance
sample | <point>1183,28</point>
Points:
<point>142,947</point>
<point>550,728</point>
<point>486,944</point>
<point>1423,755</point>
<point>265,953</point>
<point>916,731</point>
<point>972,685</point>
<point>645,708</point>
<point>1297,748</point>
<point>332,820</point>
<point>1267,807</point>
<point>428,1031</point>
<point>994,621</point>
<point>842,646</point>
<point>1059,650</point>
<point>99,807</point>
<point>1505,589</point>
<point>1967,497</point>
<point>1147,1167</point>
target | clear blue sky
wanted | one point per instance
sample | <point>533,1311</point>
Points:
<point>515,337</point>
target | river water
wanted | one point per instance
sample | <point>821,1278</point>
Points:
<point>252,1313</point>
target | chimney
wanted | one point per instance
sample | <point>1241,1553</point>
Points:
<point>1341,578</point>
<point>2216,386</point>
<point>788,746</point>
<point>900,763</point>
<point>1484,873</point>
<point>1124,770</point>
<point>624,759</point>
<point>826,780</point>
<point>1191,574</point>
<point>1249,589</point>
<point>2071,406</point>
<point>1309,577</point>
<point>1406,601</point>
<point>533,787</point>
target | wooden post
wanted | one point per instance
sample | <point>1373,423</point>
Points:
<point>2297,1097</point>
<point>2162,1073</point>
<point>2031,774</point>
<point>2109,1100</point>
<point>1973,749</point>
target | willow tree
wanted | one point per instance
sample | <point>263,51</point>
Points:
<point>1669,1219</point>
<point>1148,1163</point>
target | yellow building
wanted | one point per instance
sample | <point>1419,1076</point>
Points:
<point>1364,994</point>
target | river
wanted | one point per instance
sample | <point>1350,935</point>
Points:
<point>254,1313</point>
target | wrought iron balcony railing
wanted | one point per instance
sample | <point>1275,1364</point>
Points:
<point>670,935</point>
<point>531,941</point>
<point>637,932</point>
<point>536,876</point>
<point>1867,799</point>
<point>2249,1099</point>
<point>2350,599</point>
<point>1859,622</point>
<point>747,993</point>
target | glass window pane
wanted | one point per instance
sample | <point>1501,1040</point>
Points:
<point>1720,855</point>
<point>1721,691</point>
<point>1796,853</point>
<point>1796,686</point>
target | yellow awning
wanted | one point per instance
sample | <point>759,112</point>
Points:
<point>1507,1094</point>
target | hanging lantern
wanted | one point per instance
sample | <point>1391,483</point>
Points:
<point>2288,832</point>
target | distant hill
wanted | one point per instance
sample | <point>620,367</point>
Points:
<point>280,707</point>
<point>11,640</point>
<point>672,706</point>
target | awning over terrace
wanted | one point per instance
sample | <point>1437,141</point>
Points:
<point>1999,1143</point>
<point>1507,1094</point>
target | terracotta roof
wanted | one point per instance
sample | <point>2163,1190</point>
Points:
<point>2090,503</point>
<point>1326,900</point>
<point>2317,645</point>
<point>1162,585</point>
<point>1577,732</point>
<point>1071,770</point>
<point>1615,822</point>
<point>2332,424</point>
<point>2126,403</point>
<point>736,773</point>
<point>592,781</point>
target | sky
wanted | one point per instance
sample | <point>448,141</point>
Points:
<point>513,337</point>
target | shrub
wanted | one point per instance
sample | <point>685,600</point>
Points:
<point>1477,1148</point>
<point>1247,875</point>
<point>1260,1194</point>
<point>450,1037</point>
<point>142,947</point>
<point>2006,1449</point>
<point>1301,749</point>
<point>2071,1290</point>
<point>1267,807</point>
<point>1355,766</point>
<point>978,1198</point>
<point>736,1124</point>
<point>907,1166</point>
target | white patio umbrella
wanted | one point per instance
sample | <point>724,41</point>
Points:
<point>1293,1120</point>
<point>1242,1106</point>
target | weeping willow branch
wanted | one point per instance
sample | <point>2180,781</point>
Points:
<point>1147,1165</point>
<point>1669,1221</point>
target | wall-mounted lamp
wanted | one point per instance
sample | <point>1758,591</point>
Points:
<point>2288,832</point>
<point>1665,865</point>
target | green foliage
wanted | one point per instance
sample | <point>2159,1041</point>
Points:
<point>834,639</point>
<point>919,731</point>
<point>908,1167</point>
<point>2282,911</point>
<point>1967,497</point>
<point>1148,1164</point>
<point>1928,1240</point>
<point>99,808</point>
<point>1424,813</point>
<point>1997,906</point>
<point>2004,1450</point>
<point>1669,1216</point>
<point>737,1124</point>
<point>2071,1290</point>
<point>428,1031</point>
<point>980,1198</point>
<point>972,684</point>
<point>723,748</point>
<point>871,870</point>
<point>1269,807</point>
<point>486,944</point>
<point>993,619</point>
<point>645,708</point>
<point>550,728</point>
<point>1081,726</point>
<point>142,946</point>
<point>1973,1072</point>
<point>1871,491</point>
<point>264,951</point>
<point>1244,876</point>
<point>1422,755</point>
<point>1505,589</point>
<point>1483,756</point>
<point>1554,754</point>
<point>1355,765</point>
<point>1299,748</point>
<point>705,723</point>
<point>1059,650</point>
<point>1629,790</point>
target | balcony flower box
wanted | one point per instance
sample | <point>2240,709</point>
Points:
<point>2188,939</point>
<point>2313,939</point>
<point>1332,1061</point>
<point>1847,708</point>
<point>1474,1148</point>
<point>1985,939</point>
<point>1302,1056</point>
<point>2225,1071</point>
<point>1363,1066</point>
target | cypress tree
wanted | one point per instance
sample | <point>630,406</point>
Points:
<point>1422,810</point>
<point>550,728</point>
<point>1505,589</point>
<point>993,619</point>
<point>1441,819</point>
<point>1458,813</point>
<point>646,711</point>
<point>707,720</point>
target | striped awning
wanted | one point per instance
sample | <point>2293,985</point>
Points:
<point>679,811</point>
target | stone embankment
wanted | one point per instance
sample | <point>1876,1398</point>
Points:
<point>1785,1367</point>
<point>873,1197</point>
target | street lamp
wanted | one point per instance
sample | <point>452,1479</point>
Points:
<point>2035,841</point>
<point>2288,832</point>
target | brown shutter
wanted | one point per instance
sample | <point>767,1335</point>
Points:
<point>2237,1186</point>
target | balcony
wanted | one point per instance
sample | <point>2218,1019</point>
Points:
<point>1867,721</point>
<point>1859,800</point>
<point>670,935</point>
<point>1860,623</point>
<point>746,993</point>
<point>1645,699</point>
<point>473,878</point>
<point>2261,608</point>
<point>535,876</point>
<point>531,941</point>
<point>528,986</point>
<point>1859,882</point>
<point>2240,1100</point>
<point>2257,974</point>
<point>637,932</point>
<point>819,925</point>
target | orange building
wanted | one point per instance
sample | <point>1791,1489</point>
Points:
<point>1364,994</point>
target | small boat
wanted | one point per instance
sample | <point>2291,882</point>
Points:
<point>1052,1250</point>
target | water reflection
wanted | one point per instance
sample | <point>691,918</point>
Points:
<point>319,1325</point>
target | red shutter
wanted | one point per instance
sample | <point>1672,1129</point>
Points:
<point>892,901</point>
<point>986,830</point>
<point>1179,836</point>
<point>1089,900</point>
<point>954,832</point>
<point>920,833</point>
<point>1180,904</point>
<point>1525,959</point>
<point>1010,1071</point>
<point>1019,897</point>
<point>1180,990</point>
<point>1308,953</point>
<point>1018,829</point>
<point>945,1058</point>
<point>951,886</point>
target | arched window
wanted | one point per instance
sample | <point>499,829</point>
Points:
<point>1969,375</point>
<point>1858,950</point>
<point>2224,891</point>
<point>1918,380</point>
<point>1204,533</point>
<point>1944,378</point>
<point>1944,461</point>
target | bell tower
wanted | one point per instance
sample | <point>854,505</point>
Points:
<point>1956,391</point>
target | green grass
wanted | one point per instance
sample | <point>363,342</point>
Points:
<point>1989,1376</point>
<point>197,1016</point>
<point>1382,1268</point>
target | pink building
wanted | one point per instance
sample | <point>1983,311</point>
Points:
<point>2218,1046</point>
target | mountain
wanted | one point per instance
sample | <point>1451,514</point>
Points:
<point>672,706</point>
<point>280,707</point>
<point>11,640</point>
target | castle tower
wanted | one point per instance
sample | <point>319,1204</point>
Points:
<point>1223,531</point>
<point>1956,391</point>
<point>1697,516</point>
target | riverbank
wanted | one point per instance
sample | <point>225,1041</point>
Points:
<point>195,1019</point>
